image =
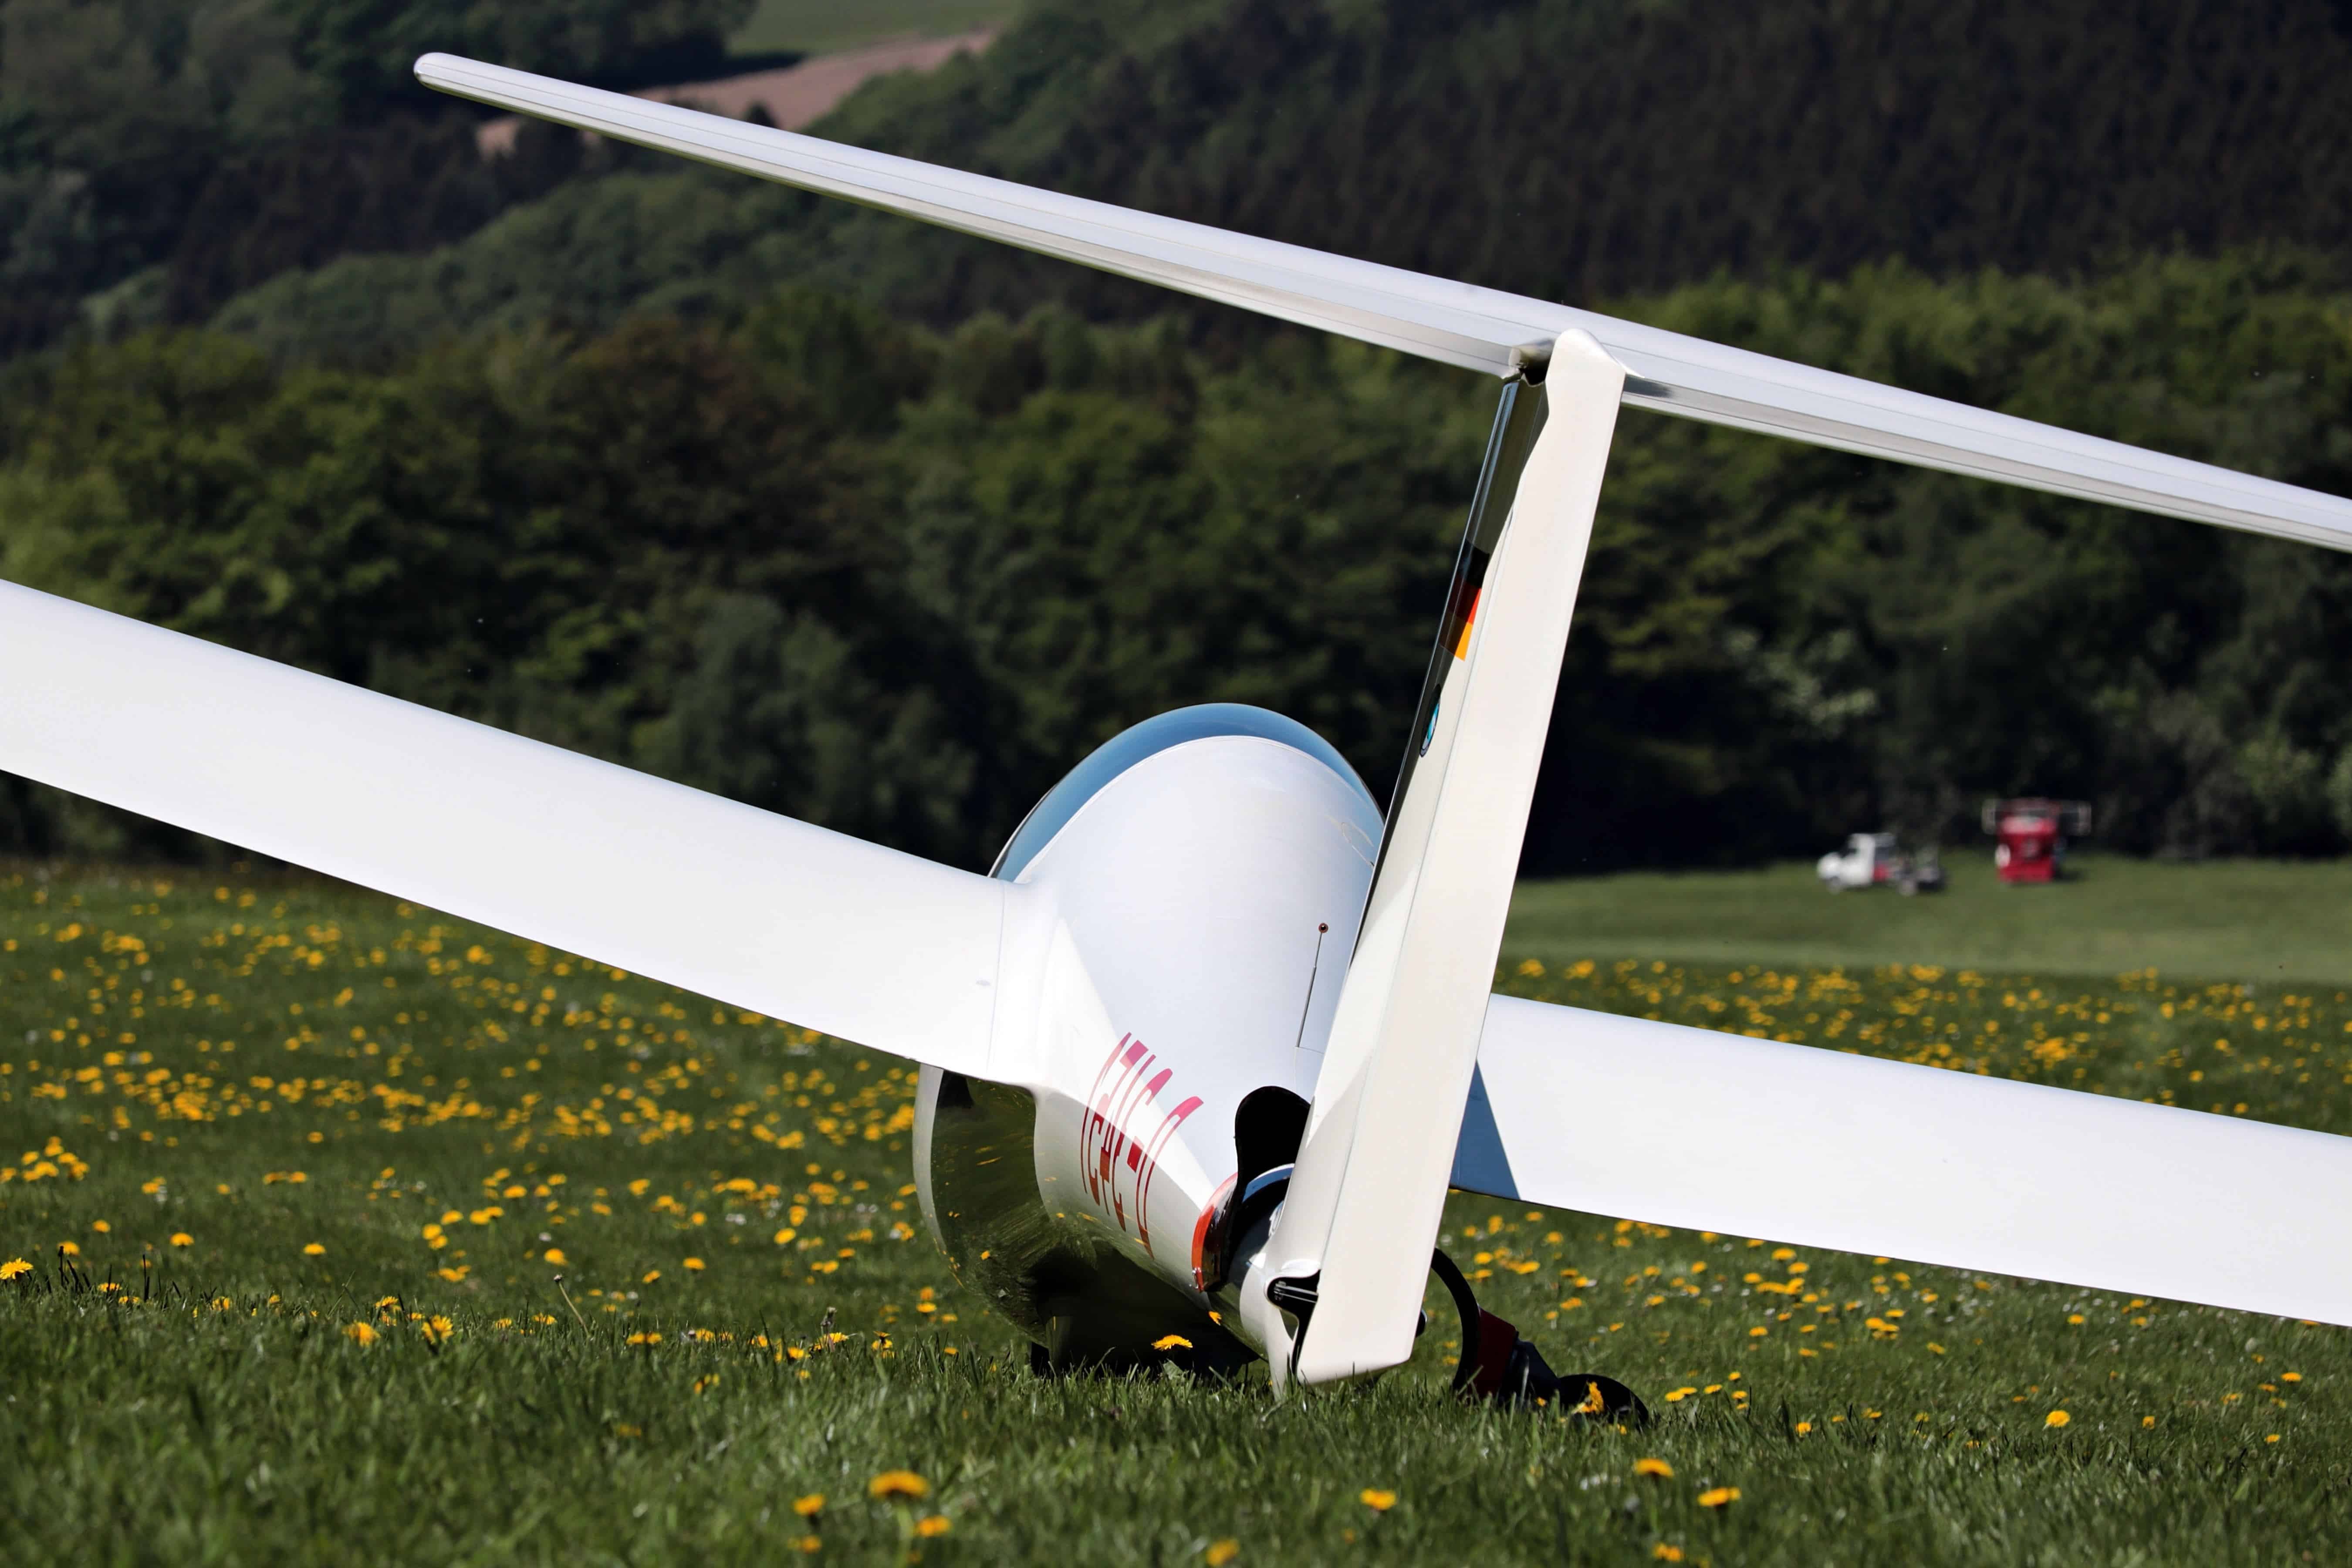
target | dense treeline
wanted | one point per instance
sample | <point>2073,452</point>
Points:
<point>1573,149</point>
<point>158,157</point>
<point>896,582</point>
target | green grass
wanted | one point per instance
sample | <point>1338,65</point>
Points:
<point>2254,920</point>
<point>818,26</point>
<point>216,1406</point>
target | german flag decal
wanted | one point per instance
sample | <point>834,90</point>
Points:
<point>1469,619</point>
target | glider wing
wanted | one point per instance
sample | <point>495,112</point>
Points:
<point>755,910</point>
<point>1712,1131</point>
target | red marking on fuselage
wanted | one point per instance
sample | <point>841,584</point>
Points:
<point>1094,1118</point>
<point>1152,1166</point>
<point>1114,1102</point>
<point>1201,1230</point>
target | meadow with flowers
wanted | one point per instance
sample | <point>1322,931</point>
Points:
<point>332,1226</point>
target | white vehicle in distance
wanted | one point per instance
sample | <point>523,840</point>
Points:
<point>1878,860</point>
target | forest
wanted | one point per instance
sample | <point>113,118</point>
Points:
<point>885,530</point>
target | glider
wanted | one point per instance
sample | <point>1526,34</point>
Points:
<point>1204,1051</point>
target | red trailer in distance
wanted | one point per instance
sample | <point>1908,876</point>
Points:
<point>2029,835</point>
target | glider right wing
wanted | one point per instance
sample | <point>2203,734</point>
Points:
<point>1704,1131</point>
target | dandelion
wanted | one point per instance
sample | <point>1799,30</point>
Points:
<point>2056,1418</point>
<point>897,1484</point>
<point>69,1249</point>
<point>809,1507</point>
<point>360,1334</point>
<point>1658,1468</point>
<point>1803,1427</point>
<point>15,1268</point>
<point>651,1275</point>
<point>182,1239</point>
<point>437,1329</point>
<point>694,1266</point>
<point>555,1255</point>
<point>1718,1496</point>
<point>1377,1499</point>
<point>314,1250</point>
<point>1164,1342</point>
<point>935,1524</point>
<point>1220,1553</point>
<point>1665,1553</point>
<point>101,1226</point>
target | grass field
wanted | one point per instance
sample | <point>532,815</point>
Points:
<point>816,27</point>
<point>2257,921</point>
<point>320,1162</point>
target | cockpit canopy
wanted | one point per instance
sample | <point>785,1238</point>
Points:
<point>1132,745</point>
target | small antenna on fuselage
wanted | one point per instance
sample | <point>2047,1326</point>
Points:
<point>1322,930</point>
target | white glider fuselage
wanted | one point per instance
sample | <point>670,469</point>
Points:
<point>1185,917</point>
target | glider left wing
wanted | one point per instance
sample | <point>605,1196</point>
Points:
<point>755,910</point>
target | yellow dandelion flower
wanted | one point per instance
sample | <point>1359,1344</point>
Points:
<point>694,1266</point>
<point>897,1484</point>
<point>15,1268</point>
<point>1377,1499</point>
<point>786,1236</point>
<point>2290,1377</point>
<point>1658,1468</point>
<point>2056,1418</point>
<point>69,1249</point>
<point>809,1507</point>
<point>809,1544</point>
<point>555,1255</point>
<point>1803,1427</point>
<point>1665,1553</point>
<point>936,1524</point>
<point>314,1250</point>
<point>1164,1342</point>
<point>101,1226</point>
<point>651,1275</point>
<point>1220,1553</point>
<point>182,1239</point>
<point>1718,1496</point>
<point>360,1334</point>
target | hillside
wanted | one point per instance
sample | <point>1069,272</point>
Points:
<point>1578,150</point>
